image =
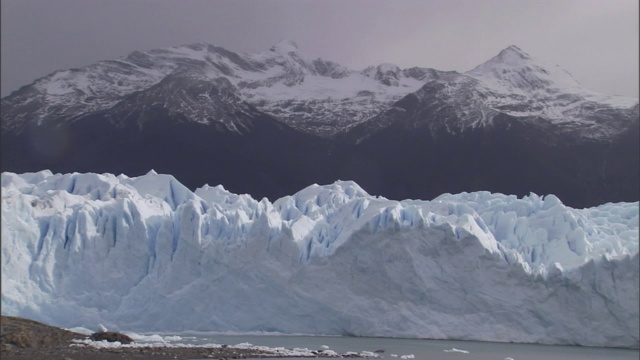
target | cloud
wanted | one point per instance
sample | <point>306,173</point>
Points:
<point>597,41</point>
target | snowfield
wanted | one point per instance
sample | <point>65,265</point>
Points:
<point>147,254</point>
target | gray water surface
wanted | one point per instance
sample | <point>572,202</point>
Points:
<point>428,349</point>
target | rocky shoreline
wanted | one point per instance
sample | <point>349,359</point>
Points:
<point>26,339</point>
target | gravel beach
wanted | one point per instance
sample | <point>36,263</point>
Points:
<point>27,339</point>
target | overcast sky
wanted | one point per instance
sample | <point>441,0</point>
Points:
<point>597,41</point>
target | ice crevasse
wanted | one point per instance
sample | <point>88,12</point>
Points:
<point>147,254</point>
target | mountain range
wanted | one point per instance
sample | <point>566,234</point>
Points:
<point>271,123</point>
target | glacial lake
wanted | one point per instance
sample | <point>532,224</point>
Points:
<point>423,349</point>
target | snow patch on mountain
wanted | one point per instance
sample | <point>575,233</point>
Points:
<point>284,47</point>
<point>147,254</point>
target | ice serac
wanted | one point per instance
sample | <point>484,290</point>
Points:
<point>147,254</point>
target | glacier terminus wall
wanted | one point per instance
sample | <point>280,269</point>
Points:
<point>148,254</point>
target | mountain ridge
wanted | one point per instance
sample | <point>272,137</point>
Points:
<point>274,81</point>
<point>532,118</point>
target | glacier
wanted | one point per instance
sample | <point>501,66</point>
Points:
<point>148,254</point>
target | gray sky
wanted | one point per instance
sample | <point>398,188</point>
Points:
<point>597,41</point>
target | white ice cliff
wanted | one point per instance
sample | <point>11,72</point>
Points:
<point>147,254</point>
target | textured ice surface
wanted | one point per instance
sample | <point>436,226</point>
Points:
<point>147,254</point>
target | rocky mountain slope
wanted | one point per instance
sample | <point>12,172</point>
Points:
<point>273,122</point>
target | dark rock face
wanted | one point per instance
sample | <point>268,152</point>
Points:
<point>272,160</point>
<point>24,333</point>
<point>421,149</point>
<point>268,159</point>
<point>111,337</point>
<point>513,157</point>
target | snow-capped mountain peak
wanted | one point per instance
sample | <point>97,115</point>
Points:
<point>285,46</point>
<point>513,52</point>
<point>517,84</point>
<point>513,69</point>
